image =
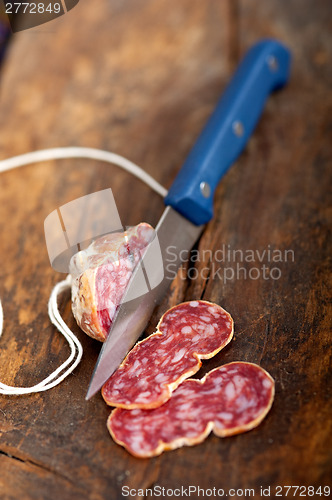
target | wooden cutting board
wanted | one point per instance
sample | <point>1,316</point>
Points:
<point>140,78</point>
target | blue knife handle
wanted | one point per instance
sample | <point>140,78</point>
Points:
<point>265,67</point>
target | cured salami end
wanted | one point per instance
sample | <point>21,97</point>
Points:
<point>156,366</point>
<point>101,274</point>
<point>229,400</point>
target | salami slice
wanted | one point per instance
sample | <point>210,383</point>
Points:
<point>101,274</point>
<point>231,399</point>
<point>186,333</point>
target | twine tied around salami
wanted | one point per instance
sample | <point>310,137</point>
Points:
<point>98,322</point>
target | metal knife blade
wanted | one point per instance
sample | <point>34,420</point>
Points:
<point>175,232</point>
<point>265,67</point>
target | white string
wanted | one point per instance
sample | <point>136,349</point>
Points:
<point>75,346</point>
<point>78,152</point>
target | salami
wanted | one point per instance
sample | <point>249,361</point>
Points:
<point>229,400</point>
<point>101,274</point>
<point>185,334</point>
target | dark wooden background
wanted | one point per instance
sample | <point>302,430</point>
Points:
<point>140,78</point>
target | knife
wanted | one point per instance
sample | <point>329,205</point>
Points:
<point>189,202</point>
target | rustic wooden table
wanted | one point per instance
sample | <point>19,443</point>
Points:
<point>140,78</point>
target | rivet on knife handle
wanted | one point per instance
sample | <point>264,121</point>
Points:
<point>264,68</point>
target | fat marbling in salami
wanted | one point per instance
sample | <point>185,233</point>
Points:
<point>101,274</point>
<point>231,399</point>
<point>156,366</point>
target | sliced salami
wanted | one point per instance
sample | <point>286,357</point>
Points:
<point>186,333</point>
<point>101,274</point>
<point>229,400</point>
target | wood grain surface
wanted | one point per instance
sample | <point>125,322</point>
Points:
<point>140,78</point>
